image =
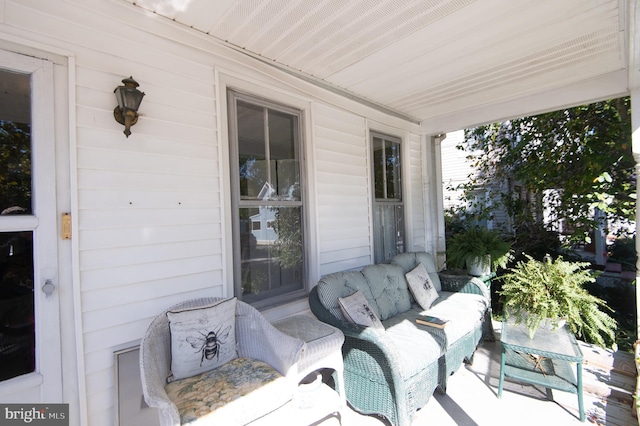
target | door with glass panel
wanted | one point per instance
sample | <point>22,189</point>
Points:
<point>29,315</point>
<point>388,205</point>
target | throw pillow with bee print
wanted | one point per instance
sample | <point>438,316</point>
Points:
<point>202,339</point>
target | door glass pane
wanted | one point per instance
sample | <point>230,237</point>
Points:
<point>388,231</point>
<point>17,336</point>
<point>386,169</point>
<point>378,168</point>
<point>392,158</point>
<point>271,251</point>
<point>15,143</point>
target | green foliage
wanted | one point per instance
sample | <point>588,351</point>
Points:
<point>15,165</point>
<point>621,299</point>
<point>623,251</point>
<point>583,153</point>
<point>477,242</point>
<point>534,239</point>
<point>287,248</point>
<point>534,291</point>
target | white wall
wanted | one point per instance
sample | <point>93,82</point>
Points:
<point>151,216</point>
<point>455,168</point>
<point>344,197</point>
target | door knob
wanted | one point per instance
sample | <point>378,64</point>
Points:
<point>48,287</point>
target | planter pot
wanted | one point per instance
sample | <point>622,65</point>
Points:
<point>479,266</point>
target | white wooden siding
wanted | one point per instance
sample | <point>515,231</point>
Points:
<point>455,168</point>
<point>150,215</point>
<point>342,181</point>
<point>414,200</point>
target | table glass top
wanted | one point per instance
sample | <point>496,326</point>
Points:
<point>304,327</point>
<point>546,341</point>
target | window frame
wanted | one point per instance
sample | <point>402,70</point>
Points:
<point>232,96</point>
<point>386,201</point>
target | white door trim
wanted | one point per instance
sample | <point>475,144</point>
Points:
<point>47,378</point>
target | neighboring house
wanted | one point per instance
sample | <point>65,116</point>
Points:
<point>460,171</point>
<point>262,222</point>
<point>336,105</point>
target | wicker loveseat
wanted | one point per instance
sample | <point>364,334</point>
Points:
<point>252,387</point>
<point>393,371</point>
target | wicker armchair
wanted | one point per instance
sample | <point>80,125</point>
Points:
<point>256,339</point>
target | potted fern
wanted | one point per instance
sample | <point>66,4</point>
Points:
<point>478,249</point>
<point>550,292</point>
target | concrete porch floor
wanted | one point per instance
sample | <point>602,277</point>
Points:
<point>471,399</point>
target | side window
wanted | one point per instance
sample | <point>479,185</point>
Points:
<point>267,200</point>
<point>388,207</point>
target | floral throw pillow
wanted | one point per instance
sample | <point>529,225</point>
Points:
<point>202,338</point>
<point>356,309</point>
<point>421,286</point>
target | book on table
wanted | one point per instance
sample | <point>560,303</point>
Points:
<point>431,321</point>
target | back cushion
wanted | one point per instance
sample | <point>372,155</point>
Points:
<point>410,260</point>
<point>343,284</point>
<point>389,289</point>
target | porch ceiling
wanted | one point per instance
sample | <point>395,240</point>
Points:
<point>429,59</point>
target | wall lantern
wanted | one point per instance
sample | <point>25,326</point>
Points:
<point>129,99</point>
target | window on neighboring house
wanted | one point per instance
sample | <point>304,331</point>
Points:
<point>265,154</point>
<point>388,207</point>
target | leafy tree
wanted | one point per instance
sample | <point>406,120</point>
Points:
<point>287,248</point>
<point>583,153</point>
<point>15,167</point>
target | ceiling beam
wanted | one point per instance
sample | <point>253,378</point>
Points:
<point>609,86</point>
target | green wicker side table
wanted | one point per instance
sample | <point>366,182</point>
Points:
<point>546,360</point>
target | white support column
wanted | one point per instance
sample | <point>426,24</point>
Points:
<point>427,196</point>
<point>440,244</point>
<point>433,201</point>
<point>633,42</point>
<point>635,147</point>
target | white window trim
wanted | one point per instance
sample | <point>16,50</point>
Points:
<point>226,80</point>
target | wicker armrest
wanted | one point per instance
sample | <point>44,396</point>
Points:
<point>155,359</point>
<point>368,339</point>
<point>258,338</point>
<point>464,284</point>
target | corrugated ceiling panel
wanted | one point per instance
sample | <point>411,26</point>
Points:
<point>575,53</point>
<point>418,55</point>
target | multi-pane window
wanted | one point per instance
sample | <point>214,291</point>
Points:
<point>388,208</point>
<point>267,200</point>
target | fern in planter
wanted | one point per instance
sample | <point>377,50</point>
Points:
<point>536,291</point>
<point>478,243</point>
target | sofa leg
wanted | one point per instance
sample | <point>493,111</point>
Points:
<point>469,360</point>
